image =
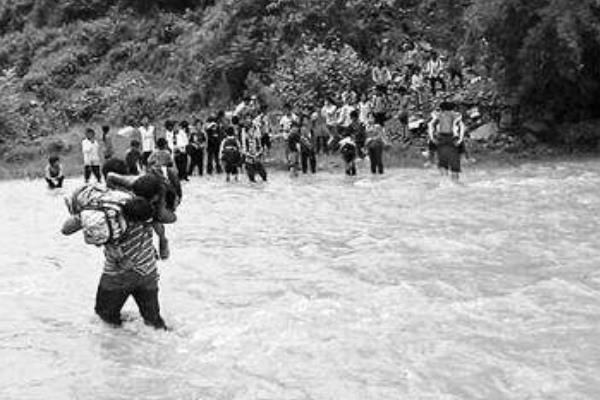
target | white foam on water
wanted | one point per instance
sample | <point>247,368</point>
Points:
<point>397,287</point>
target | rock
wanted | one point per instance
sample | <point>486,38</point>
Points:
<point>530,139</point>
<point>485,132</point>
<point>539,129</point>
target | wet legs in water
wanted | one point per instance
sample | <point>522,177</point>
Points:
<point>110,302</point>
<point>212,157</point>
<point>376,158</point>
<point>196,161</point>
<point>88,170</point>
<point>254,169</point>
<point>309,158</point>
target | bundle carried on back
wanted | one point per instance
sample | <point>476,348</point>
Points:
<point>100,212</point>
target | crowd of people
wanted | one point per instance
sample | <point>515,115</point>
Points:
<point>143,190</point>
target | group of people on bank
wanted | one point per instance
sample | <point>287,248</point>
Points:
<point>143,190</point>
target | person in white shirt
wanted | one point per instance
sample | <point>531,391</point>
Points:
<point>91,156</point>
<point>170,134</point>
<point>330,113</point>
<point>435,72</point>
<point>364,109</point>
<point>148,139</point>
<point>180,143</point>
<point>344,119</point>
<point>381,76</point>
<point>286,121</point>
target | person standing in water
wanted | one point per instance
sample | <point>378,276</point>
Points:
<point>446,131</point>
<point>148,139</point>
<point>375,144</point>
<point>230,154</point>
<point>91,156</point>
<point>109,150</point>
<point>54,173</point>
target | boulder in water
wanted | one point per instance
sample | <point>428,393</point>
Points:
<point>485,132</point>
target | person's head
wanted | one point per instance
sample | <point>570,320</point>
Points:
<point>287,108</point>
<point>161,143</point>
<point>90,134</point>
<point>116,166</point>
<point>364,97</point>
<point>184,125</point>
<point>235,120</point>
<point>105,129</point>
<point>169,125</point>
<point>230,131</point>
<point>135,144</point>
<point>354,115</point>
<point>145,120</point>
<point>447,106</point>
<point>138,210</point>
<point>53,160</point>
<point>295,128</point>
<point>150,187</point>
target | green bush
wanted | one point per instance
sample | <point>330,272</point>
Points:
<point>306,76</point>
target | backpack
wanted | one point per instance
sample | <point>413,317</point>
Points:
<point>100,212</point>
<point>231,152</point>
<point>446,121</point>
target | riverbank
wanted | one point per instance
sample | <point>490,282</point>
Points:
<point>28,160</point>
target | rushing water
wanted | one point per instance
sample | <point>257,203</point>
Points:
<point>393,287</point>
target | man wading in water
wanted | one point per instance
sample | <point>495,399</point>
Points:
<point>130,266</point>
<point>446,131</point>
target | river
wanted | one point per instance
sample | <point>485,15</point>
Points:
<point>323,288</point>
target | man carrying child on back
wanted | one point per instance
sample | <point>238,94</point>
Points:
<point>130,266</point>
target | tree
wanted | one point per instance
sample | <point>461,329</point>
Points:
<point>550,55</point>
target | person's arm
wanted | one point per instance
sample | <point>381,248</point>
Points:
<point>221,147</point>
<point>116,180</point>
<point>71,225</point>
<point>431,128</point>
<point>460,129</point>
<point>60,171</point>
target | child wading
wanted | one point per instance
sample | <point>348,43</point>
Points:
<point>446,131</point>
<point>293,149</point>
<point>252,157</point>
<point>375,144</point>
<point>54,173</point>
<point>308,157</point>
<point>134,158</point>
<point>91,156</point>
<point>195,149</point>
<point>230,154</point>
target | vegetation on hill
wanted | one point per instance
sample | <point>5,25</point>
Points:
<point>75,61</point>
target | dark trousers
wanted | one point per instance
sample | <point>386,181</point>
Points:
<point>306,158</point>
<point>145,157</point>
<point>437,79</point>
<point>457,74</point>
<point>212,157</point>
<point>256,168</point>
<point>110,302</point>
<point>88,170</point>
<point>181,161</point>
<point>55,183</point>
<point>196,160</point>
<point>322,147</point>
<point>376,157</point>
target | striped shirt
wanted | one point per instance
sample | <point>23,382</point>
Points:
<point>134,253</point>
